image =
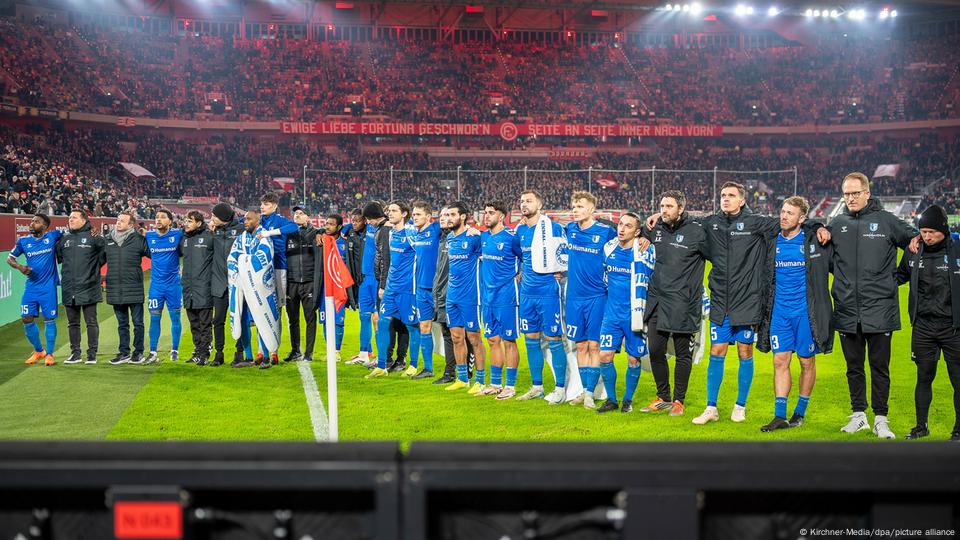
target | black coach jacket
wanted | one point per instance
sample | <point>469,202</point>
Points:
<point>224,237</point>
<point>676,288</point>
<point>819,308</point>
<point>908,271</point>
<point>381,262</point>
<point>124,270</point>
<point>441,279</point>
<point>301,254</point>
<point>197,273</point>
<point>864,268</point>
<point>81,255</point>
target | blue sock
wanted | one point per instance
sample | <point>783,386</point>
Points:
<point>50,332</point>
<point>780,407</point>
<point>33,336</point>
<point>714,379</point>
<point>633,377</point>
<point>609,373</point>
<point>535,359</point>
<point>383,342</point>
<point>480,376</point>
<point>175,329</point>
<point>462,373</point>
<point>245,341</point>
<point>558,357</point>
<point>511,377</point>
<point>496,375</point>
<point>584,376</point>
<point>366,332</point>
<point>595,373</point>
<point>802,406</point>
<point>339,335</point>
<point>426,350</point>
<point>154,331</point>
<point>744,380</point>
<point>414,344</point>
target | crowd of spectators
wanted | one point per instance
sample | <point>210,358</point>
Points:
<point>837,80</point>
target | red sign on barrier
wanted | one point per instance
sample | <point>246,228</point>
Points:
<point>505,130</point>
<point>136,520</point>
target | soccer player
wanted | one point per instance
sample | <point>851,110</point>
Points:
<point>539,300</point>
<point>301,260</point>
<point>40,294</point>
<point>276,227</point>
<point>616,329</point>
<point>934,307</point>
<point>247,243</point>
<point>197,249</point>
<point>798,321</point>
<point>865,299</point>
<point>675,299</point>
<point>586,295</point>
<point>332,228</point>
<point>165,289</point>
<point>426,243</point>
<point>463,298</point>
<point>397,299</point>
<point>81,255</point>
<point>499,296</point>
<point>125,250</point>
<point>361,244</point>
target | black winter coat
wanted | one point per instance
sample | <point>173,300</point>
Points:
<point>81,255</point>
<point>197,273</point>
<point>125,270</point>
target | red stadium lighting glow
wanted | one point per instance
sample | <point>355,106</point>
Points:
<point>330,27</point>
<point>616,36</point>
<point>569,34</point>
<point>474,9</point>
<point>343,5</point>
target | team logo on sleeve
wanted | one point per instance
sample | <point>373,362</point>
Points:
<point>874,227</point>
<point>200,241</point>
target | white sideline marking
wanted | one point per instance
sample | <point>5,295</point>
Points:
<point>318,415</point>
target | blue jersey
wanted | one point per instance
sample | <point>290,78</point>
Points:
<point>164,257</point>
<point>533,284</point>
<point>276,221</point>
<point>464,255</point>
<point>426,243</point>
<point>400,277</point>
<point>619,288</point>
<point>369,251</point>
<point>41,258</point>
<point>498,271</point>
<point>342,248</point>
<point>585,259</point>
<point>790,296</point>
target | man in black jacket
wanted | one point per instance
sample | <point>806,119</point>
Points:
<point>440,280</point>
<point>362,250</point>
<point>354,240</point>
<point>934,307</point>
<point>225,227</point>
<point>675,299</point>
<point>796,309</point>
<point>866,303</point>
<point>399,335</point>
<point>197,249</point>
<point>81,255</point>
<point>301,257</point>
<point>124,250</point>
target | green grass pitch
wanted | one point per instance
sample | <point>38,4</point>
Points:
<point>177,401</point>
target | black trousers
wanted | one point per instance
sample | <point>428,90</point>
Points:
<point>450,359</point>
<point>399,341</point>
<point>126,314</point>
<point>221,310</point>
<point>928,341</point>
<point>856,347</point>
<point>201,321</point>
<point>89,312</point>
<point>683,346</point>
<point>301,295</point>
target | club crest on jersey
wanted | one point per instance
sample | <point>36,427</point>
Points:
<point>172,239</point>
<point>740,226</point>
<point>715,226</point>
<point>200,241</point>
<point>500,245</point>
<point>680,238</point>
<point>46,240</point>
<point>874,227</point>
<point>596,238</point>
<point>464,244</point>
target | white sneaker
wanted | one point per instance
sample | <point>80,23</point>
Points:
<point>579,399</point>
<point>558,396</point>
<point>882,428</point>
<point>535,392</point>
<point>588,401</point>
<point>739,414</point>
<point>858,422</point>
<point>710,414</point>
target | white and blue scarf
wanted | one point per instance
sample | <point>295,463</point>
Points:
<point>548,252</point>
<point>251,277</point>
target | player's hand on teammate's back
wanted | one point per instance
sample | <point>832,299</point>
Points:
<point>823,235</point>
<point>25,270</point>
<point>643,243</point>
<point>652,220</point>
<point>914,246</point>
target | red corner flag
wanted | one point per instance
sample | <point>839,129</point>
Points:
<point>335,274</point>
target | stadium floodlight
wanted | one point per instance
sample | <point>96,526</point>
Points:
<point>884,13</point>
<point>686,7</point>
<point>740,10</point>
<point>772,11</point>
<point>834,14</point>
<point>696,8</point>
<point>809,12</point>
<point>824,13</point>
<point>668,7</point>
<point>893,13</point>
<point>816,13</point>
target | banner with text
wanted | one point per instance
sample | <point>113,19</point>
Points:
<point>506,130</point>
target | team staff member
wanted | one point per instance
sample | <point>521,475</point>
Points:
<point>796,309</point>
<point>675,299</point>
<point>124,250</point>
<point>934,307</point>
<point>225,227</point>
<point>301,256</point>
<point>197,249</point>
<point>441,279</point>
<point>81,255</point>
<point>866,303</point>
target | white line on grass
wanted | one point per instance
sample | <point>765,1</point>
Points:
<point>318,415</point>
